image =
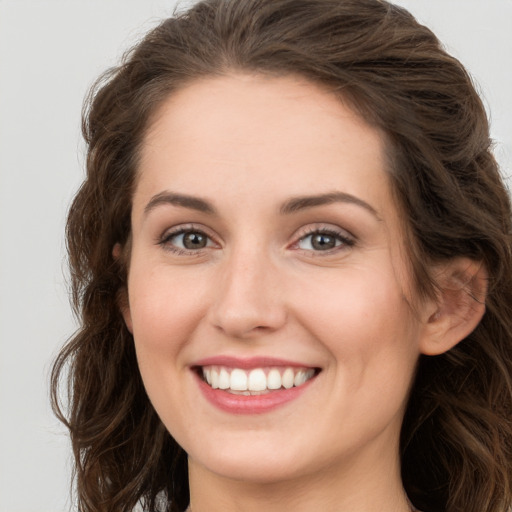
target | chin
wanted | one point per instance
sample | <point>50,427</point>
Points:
<point>258,461</point>
<point>255,470</point>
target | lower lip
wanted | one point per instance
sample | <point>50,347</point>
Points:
<point>252,404</point>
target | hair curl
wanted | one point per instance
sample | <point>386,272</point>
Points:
<point>456,438</point>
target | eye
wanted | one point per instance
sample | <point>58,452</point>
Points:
<point>324,240</point>
<point>186,240</point>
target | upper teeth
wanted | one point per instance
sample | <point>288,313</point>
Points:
<point>257,379</point>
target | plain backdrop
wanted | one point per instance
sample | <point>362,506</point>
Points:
<point>50,53</point>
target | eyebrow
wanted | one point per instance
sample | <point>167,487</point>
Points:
<point>303,202</point>
<point>292,205</point>
<point>183,200</point>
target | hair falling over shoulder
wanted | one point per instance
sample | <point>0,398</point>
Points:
<point>456,442</point>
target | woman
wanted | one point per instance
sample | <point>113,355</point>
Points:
<point>291,260</point>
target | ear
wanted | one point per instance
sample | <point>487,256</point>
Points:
<point>460,305</point>
<point>122,295</point>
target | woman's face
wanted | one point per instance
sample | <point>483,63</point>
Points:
<point>267,253</point>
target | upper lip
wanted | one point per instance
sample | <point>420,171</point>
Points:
<point>248,363</point>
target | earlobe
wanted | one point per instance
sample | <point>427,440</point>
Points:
<point>460,305</point>
<point>117,251</point>
<point>122,295</point>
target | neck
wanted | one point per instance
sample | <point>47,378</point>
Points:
<point>356,487</point>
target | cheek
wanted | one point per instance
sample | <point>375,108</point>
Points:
<point>363,319</point>
<point>165,309</point>
<point>350,302</point>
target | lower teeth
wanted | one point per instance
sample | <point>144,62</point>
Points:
<point>249,393</point>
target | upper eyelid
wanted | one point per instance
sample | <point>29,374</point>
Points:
<point>184,228</point>
<point>323,227</point>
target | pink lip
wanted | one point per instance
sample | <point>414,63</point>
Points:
<point>247,363</point>
<point>252,404</point>
<point>255,404</point>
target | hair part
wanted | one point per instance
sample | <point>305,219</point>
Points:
<point>457,432</point>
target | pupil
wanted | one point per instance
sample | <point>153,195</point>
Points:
<point>323,242</point>
<point>194,241</point>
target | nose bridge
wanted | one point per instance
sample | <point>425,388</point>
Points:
<point>249,298</point>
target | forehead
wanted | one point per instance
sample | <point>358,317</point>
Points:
<point>242,127</point>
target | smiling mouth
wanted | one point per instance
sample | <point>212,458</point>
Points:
<point>257,381</point>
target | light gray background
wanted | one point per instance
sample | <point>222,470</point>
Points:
<point>50,52</point>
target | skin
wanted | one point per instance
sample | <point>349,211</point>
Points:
<point>259,288</point>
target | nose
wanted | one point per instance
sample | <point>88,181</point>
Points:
<point>249,300</point>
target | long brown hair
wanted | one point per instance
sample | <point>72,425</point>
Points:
<point>457,434</point>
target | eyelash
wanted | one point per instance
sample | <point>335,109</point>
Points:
<point>345,240</point>
<point>166,240</point>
